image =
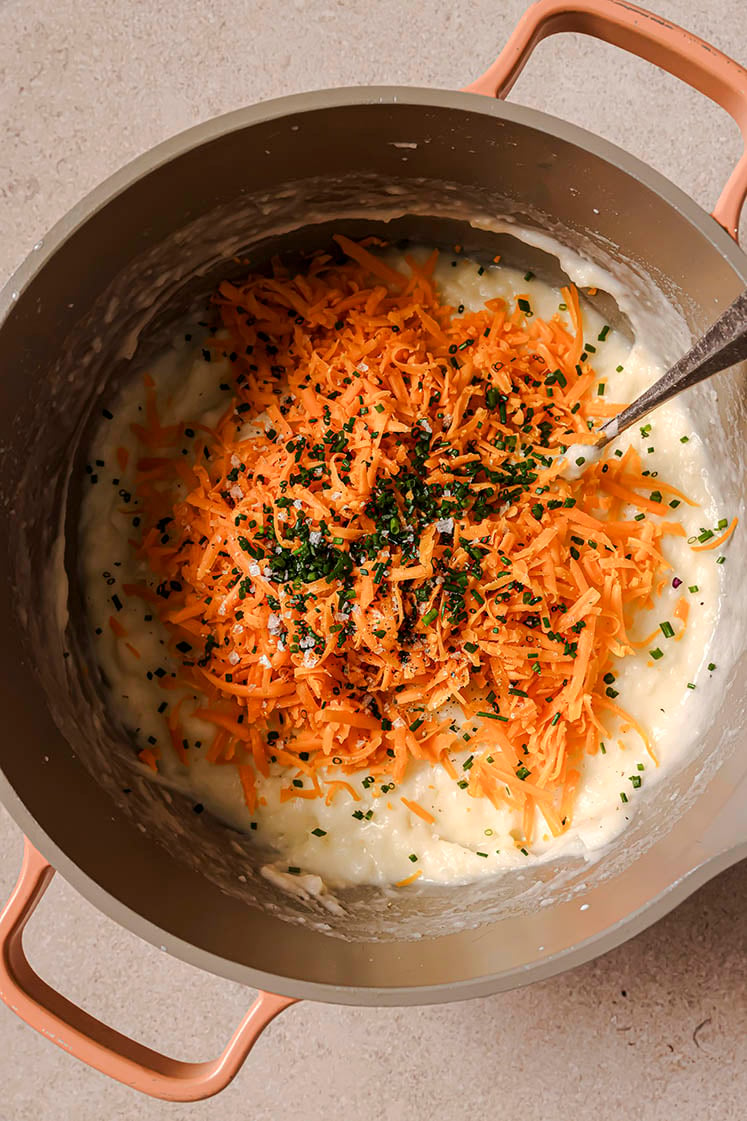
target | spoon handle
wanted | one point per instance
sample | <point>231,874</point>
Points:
<point>723,345</point>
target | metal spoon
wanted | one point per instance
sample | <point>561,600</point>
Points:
<point>723,345</point>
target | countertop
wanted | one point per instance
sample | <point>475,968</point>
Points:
<point>654,1030</point>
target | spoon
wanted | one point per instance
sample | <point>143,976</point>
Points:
<point>723,345</point>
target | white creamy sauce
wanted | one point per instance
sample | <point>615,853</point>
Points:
<point>470,837</point>
<point>578,457</point>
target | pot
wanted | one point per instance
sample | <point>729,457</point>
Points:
<point>104,287</point>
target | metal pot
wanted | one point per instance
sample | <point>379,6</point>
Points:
<point>109,279</point>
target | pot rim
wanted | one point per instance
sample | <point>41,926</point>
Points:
<point>345,96</point>
<point>683,880</point>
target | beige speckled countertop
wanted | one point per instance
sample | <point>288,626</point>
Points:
<point>656,1029</point>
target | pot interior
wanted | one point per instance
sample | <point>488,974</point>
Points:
<point>435,169</point>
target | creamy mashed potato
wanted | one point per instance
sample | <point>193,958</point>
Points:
<point>344,842</point>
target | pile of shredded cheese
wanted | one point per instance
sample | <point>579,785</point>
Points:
<point>377,534</point>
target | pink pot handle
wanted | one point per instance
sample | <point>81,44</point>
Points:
<point>88,1039</point>
<point>650,37</point>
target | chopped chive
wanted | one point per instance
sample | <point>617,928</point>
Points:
<point>667,629</point>
<point>656,653</point>
<point>319,832</point>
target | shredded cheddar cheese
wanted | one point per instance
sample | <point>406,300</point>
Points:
<point>378,526</point>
